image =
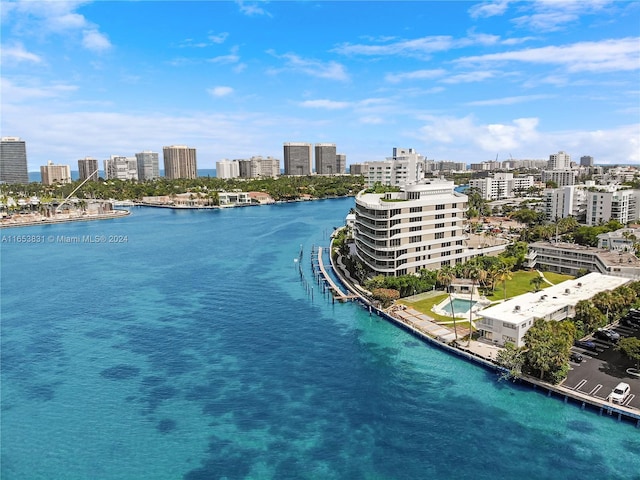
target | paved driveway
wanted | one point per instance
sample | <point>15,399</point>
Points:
<point>601,371</point>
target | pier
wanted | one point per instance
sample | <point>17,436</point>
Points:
<point>321,270</point>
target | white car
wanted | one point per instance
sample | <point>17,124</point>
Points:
<point>620,393</point>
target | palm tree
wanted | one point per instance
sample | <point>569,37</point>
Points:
<point>536,282</point>
<point>445,277</point>
<point>504,273</point>
<point>476,274</point>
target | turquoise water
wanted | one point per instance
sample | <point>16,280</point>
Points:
<point>460,305</point>
<point>194,351</point>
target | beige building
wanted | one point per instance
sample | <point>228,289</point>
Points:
<point>88,167</point>
<point>179,162</point>
<point>52,174</point>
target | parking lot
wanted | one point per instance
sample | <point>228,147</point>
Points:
<point>602,370</point>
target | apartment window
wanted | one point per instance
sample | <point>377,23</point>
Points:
<point>395,242</point>
<point>445,254</point>
<point>454,205</point>
<point>440,207</point>
<point>396,211</point>
<point>415,209</point>
<point>439,216</point>
<point>445,262</point>
<point>415,219</point>
<point>395,222</point>
<point>446,244</point>
<point>458,242</point>
<point>439,235</point>
<point>439,225</point>
<point>415,239</point>
<point>459,250</point>
<point>395,232</point>
<point>415,229</point>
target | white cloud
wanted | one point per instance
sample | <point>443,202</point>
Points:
<point>220,91</point>
<point>469,77</point>
<point>252,9</point>
<point>19,92</point>
<point>489,9</point>
<point>17,53</point>
<point>218,38</point>
<point>415,75</point>
<point>604,56</point>
<point>466,139</point>
<point>95,41</point>
<point>508,100</point>
<point>325,104</point>
<point>315,68</point>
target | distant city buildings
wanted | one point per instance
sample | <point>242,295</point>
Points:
<point>179,162</point>
<point>559,161</point>
<point>404,167</point>
<point>13,161</point>
<point>52,174</point>
<point>561,178</point>
<point>586,161</point>
<point>148,165</point>
<point>501,185</point>
<point>88,167</point>
<point>568,201</point>
<point>121,168</point>
<point>328,162</point>
<point>254,167</point>
<point>297,158</point>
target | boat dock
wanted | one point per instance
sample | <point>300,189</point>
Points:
<point>321,273</point>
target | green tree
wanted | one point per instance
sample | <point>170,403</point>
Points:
<point>386,296</point>
<point>536,282</point>
<point>630,346</point>
<point>474,272</point>
<point>548,348</point>
<point>445,277</point>
<point>512,359</point>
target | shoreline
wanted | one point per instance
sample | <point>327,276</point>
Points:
<point>31,220</point>
<point>482,355</point>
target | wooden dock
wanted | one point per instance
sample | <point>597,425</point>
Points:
<point>337,291</point>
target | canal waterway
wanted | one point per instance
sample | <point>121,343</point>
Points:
<point>189,347</point>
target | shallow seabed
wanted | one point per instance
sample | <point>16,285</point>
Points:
<point>194,351</point>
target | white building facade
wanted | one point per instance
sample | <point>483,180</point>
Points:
<point>121,168</point>
<point>501,185</point>
<point>420,227</point>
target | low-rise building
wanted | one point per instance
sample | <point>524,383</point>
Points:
<point>501,185</point>
<point>624,239</point>
<point>571,259</point>
<point>507,322</point>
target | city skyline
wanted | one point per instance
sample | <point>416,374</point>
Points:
<point>458,81</point>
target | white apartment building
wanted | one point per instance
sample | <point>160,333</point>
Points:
<point>404,167</point>
<point>559,161</point>
<point>569,201</point>
<point>620,205</point>
<point>420,227</point>
<point>561,178</point>
<point>501,185</point>
<point>121,168</point>
<point>227,169</point>
<point>508,322</point>
<point>257,167</point>
<point>622,240</point>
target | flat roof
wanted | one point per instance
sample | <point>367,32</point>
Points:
<point>549,300</point>
<point>609,257</point>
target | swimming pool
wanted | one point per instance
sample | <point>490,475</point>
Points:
<point>460,306</point>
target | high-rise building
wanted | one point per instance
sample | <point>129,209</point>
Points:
<point>13,161</point>
<point>561,178</point>
<point>297,158</point>
<point>121,168</point>
<point>419,227</point>
<point>358,168</point>
<point>228,169</point>
<point>88,167</point>
<point>501,185</point>
<point>341,163</point>
<point>559,161</point>
<point>403,168</point>
<point>620,205</point>
<point>52,174</point>
<point>586,161</point>
<point>180,162</point>
<point>326,158</point>
<point>257,167</point>
<point>147,164</point>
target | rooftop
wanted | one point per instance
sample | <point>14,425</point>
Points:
<point>548,301</point>
<point>609,257</point>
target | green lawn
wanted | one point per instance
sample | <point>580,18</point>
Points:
<point>519,284</point>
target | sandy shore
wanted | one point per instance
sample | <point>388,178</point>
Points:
<point>30,219</point>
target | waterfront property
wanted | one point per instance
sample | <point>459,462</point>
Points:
<point>509,321</point>
<point>570,258</point>
<point>419,227</point>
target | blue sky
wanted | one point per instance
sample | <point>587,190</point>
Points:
<point>462,81</point>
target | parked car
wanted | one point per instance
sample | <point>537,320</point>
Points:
<point>620,393</point>
<point>608,335</point>
<point>575,357</point>
<point>586,344</point>
<point>633,313</point>
<point>630,322</point>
